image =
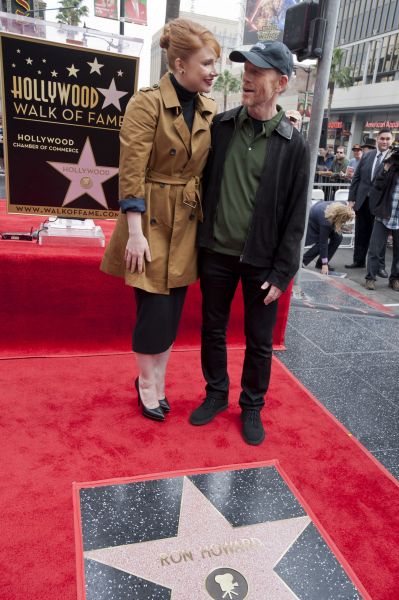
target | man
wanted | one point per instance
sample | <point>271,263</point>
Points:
<point>324,160</point>
<point>384,199</point>
<point>324,232</point>
<point>370,166</point>
<point>339,163</point>
<point>255,188</point>
<point>354,162</point>
<point>368,144</point>
<point>295,117</point>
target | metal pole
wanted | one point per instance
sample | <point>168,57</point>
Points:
<point>121,17</point>
<point>329,10</point>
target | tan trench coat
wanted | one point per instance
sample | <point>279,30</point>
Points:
<point>161,162</point>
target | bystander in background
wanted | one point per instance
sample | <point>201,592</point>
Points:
<point>295,117</point>
<point>324,232</point>
<point>354,162</point>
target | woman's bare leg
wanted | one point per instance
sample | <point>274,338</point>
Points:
<point>147,364</point>
<point>162,360</point>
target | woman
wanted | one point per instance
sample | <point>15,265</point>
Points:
<point>165,139</point>
<point>326,220</point>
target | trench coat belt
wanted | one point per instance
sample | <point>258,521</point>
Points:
<point>191,192</point>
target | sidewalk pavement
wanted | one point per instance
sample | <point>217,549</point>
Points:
<point>356,277</point>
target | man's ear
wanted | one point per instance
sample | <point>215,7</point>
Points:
<point>282,83</point>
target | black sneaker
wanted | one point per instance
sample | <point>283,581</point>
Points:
<point>208,411</point>
<point>252,427</point>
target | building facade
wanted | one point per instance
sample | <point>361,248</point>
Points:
<point>368,33</point>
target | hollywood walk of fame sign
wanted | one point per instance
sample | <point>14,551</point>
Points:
<point>63,107</point>
<point>221,536</point>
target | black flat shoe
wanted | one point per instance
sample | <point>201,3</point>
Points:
<point>164,404</point>
<point>156,414</point>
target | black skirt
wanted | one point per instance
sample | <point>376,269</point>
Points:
<point>157,320</point>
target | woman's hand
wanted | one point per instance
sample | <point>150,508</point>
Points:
<point>137,248</point>
<point>324,270</point>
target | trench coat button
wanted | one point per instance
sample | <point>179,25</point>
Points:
<point>161,185</point>
<point>153,221</point>
<point>172,152</point>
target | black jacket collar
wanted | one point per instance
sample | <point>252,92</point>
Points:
<point>284,128</point>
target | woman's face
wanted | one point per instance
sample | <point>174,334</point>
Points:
<point>199,70</point>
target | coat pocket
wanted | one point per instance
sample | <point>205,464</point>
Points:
<point>160,206</point>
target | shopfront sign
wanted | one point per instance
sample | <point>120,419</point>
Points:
<point>382,124</point>
<point>335,125</point>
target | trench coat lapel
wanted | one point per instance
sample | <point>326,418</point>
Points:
<point>202,121</point>
<point>182,130</point>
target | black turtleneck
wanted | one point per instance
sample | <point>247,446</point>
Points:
<point>187,101</point>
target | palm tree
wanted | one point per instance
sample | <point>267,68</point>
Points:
<point>339,76</point>
<point>71,12</point>
<point>172,12</point>
<point>228,84</point>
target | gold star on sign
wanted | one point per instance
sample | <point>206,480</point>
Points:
<point>73,71</point>
<point>54,73</point>
<point>95,66</point>
<point>29,61</point>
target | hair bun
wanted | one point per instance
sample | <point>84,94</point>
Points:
<point>164,41</point>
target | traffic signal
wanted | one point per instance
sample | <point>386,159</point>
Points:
<point>304,30</point>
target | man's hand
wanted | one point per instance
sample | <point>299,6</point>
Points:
<point>273,294</point>
<point>137,250</point>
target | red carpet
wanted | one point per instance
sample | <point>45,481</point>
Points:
<point>75,419</point>
<point>55,301</point>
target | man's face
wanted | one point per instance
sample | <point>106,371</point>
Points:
<point>340,154</point>
<point>260,86</point>
<point>384,140</point>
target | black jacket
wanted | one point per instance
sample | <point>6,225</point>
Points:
<point>319,228</point>
<point>361,183</point>
<point>278,222</point>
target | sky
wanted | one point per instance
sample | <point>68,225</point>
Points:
<point>155,19</point>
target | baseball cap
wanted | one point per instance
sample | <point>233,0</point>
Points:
<point>356,147</point>
<point>269,54</point>
<point>294,115</point>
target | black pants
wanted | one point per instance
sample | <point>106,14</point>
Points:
<point>334,240</point>
<point>363,229</point>
<point>220,275</point>
<point>378,244</point>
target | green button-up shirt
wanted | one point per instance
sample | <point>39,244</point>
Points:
<point>241,176</point>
